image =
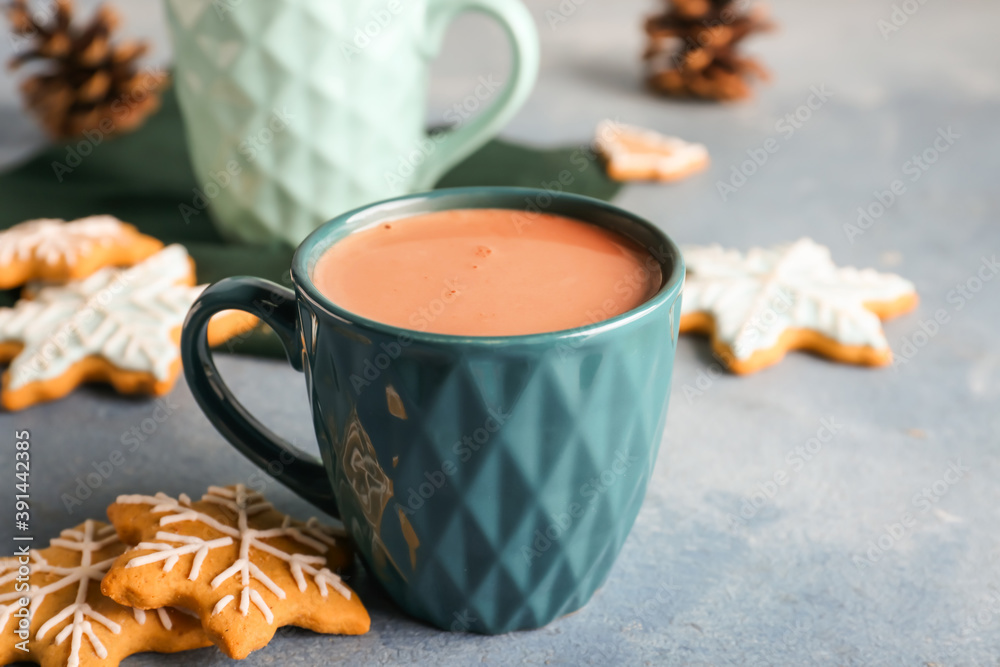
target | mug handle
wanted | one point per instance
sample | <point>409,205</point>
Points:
<point>276,306</point>
<point>451,147</point>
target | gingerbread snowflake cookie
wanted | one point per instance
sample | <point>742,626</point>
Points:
<point>244,567</point>
<point>759,305</point>
<point>52,610</point>
<point>59,251</point>
<point>633,154</point>
<point>120,326</point>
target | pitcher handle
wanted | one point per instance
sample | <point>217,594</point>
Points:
<point>453,146</point>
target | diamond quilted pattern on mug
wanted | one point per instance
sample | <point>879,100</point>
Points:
<point>516,526</point>
<point>189,11</point>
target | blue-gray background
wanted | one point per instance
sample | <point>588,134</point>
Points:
<point>793,584</point>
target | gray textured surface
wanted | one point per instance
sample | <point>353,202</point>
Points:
<point>691,587</point>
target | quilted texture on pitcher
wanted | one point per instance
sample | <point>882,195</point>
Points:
<point>270,91</point>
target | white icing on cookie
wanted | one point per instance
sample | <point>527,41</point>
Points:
<point>169,547</point>
<point>89,542</point>
<point>636,149</point>
<point>8,601</point>
<point>126,316</point>
<point>53,241</point>
<point>161,613</point>
<point>756,297</point>
<point>84,575</point>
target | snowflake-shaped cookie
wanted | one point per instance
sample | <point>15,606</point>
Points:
<point>59,251</point>
<point>634,153</point>
<point>757,306</point>
<point>244,567</point>
<point>118,325</point>
<point>69,621</point>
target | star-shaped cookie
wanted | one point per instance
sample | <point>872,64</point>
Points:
<point>244,567</point>
<point>637,154</point>
<point>759,305</point>
<point>52,610</point>
<point>118,325</point>
<point>58,251</point>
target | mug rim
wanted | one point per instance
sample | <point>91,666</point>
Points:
<point>672,284</point>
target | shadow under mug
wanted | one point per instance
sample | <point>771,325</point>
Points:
<point>488,482</point>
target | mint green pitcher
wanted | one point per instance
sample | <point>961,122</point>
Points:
<point>298,110</point>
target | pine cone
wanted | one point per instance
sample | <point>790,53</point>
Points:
<point>692,50</point>
<point>86,83</point>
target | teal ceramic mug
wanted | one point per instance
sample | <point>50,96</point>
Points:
<point>298,110</point>
<point>489,483</point>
